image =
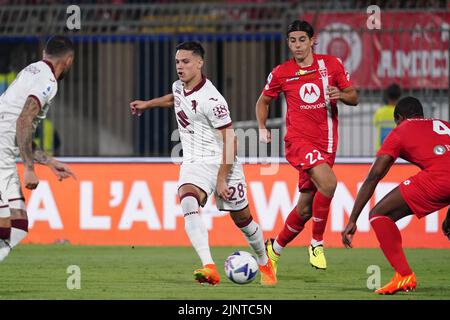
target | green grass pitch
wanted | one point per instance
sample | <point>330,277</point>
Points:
<point>40,272</point>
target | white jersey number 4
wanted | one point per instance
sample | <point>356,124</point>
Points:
<point>440,128</point>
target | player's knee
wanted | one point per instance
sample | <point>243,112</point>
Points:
<point>305,212</point>
<point>241,217</point>
<point>18,214</point>
<point>329,187</point>
<point>189,204</point>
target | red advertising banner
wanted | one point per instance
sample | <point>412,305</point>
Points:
<point>410,48</point>
<point>137,204</point>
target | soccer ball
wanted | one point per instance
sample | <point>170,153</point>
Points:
<point>241,267</point>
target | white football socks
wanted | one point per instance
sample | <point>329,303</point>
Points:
<point>196,229</point>
<point>315,243</point>
<point>254,236</point>
<point>277,247</point>
<point>17,235</point>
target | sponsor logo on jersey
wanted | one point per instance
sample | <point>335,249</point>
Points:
<point>213,99</point>
<point>439,150</point>
<point>304,72</point>
<point>309,92</point>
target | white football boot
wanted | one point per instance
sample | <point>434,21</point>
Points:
<point>5,248</point>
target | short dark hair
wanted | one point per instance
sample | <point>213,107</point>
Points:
<point>193,46</point>
<point>58,46</point>
<point>408,107</point>
<point>300,25</point>
<point>392,92</point>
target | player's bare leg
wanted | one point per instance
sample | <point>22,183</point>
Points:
<point>294,224</point>
<point>5,232</point>
<point>325,181</point>
<point>382,219</point>
<point>253,233</point>
<point>19,222</point>
<point>191,197</point>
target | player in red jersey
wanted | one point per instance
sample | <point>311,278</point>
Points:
<point>425,143</point>
<point>312,85</point>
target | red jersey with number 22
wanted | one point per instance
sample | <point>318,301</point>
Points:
<point>311,116</point>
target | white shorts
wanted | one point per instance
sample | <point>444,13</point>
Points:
<point>204,176</point>
<point>11,195</point>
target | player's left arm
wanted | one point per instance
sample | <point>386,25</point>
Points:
<point>379,169</point>
<point>228,158</point>
<point>341,87</point>
<point>349,96</point>
<point>60,169</point>
<point>24,137</point>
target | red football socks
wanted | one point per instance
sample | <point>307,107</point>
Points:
<point>293,225</point>
<point>390,241</point>
<point>321,207</point>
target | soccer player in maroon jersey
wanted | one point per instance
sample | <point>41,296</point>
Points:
<point>425,143</point>
<point>312,84</point>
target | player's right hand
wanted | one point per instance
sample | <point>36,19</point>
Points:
<point>222,189</point>
<point>446,227</point>
<point>137,107</point>
<point>348,233</point>
<point>31,180</point>
<point>264,135</point>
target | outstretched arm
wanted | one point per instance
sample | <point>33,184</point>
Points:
<point>139,106</point>
<point>378,170</point>
<point>60,169</point>
<point>262,113</point>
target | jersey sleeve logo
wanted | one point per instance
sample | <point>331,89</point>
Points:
<point>220,111</point>
<point>439,150</point>
<point>47,91</point>
<point>309,92</point>
<point>177,102</point>
<point>269,79</point>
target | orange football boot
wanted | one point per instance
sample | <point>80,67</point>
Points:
<point>208,274</point>
<point>268,275</point>
<point>399,283</point>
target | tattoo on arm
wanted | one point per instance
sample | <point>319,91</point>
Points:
<point>24,131</point>
<point>40,155</point>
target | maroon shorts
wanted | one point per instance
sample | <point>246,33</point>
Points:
<point>425,193</point>
<point>306,156</point>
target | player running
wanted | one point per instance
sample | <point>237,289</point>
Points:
<point>425,143</point>
<point>22,106</point>
<point>209,160</point>
<point>312,85</point>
